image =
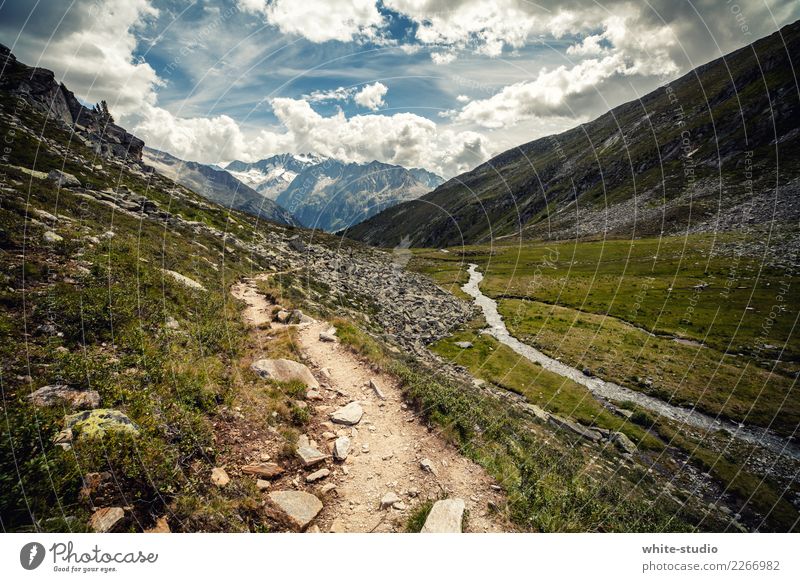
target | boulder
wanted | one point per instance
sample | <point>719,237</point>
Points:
<point>263,470</point>
<point>63,179</point>
<point>349,415</point>
<point>463,345</point>
<point>61,394</point>
<point>445,516</point>
<point>97,422</point>
<point>285,371</point>
<point>184,280</point>
<point>297,507</point>
<point>623,442</point>
<point>579,429</point>
<point>106,519</point>
<point>51,237</point>
<point>219,477</point>
<point>341,448</point>
<point>327,337</point>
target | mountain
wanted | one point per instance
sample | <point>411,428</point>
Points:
<point>702,153</point>
<point>332,195</point>
<point>272,175</point>
<point>39,89</point>
<point>217,185</point>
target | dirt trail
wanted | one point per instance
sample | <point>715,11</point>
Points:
<point>387,445</point>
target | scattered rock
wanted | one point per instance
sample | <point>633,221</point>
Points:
<point>327,337</point>
<point>623,442</point>
<point>464,345</point>
<point>376,387</point>
<point>95,423</point>
<point>337,527</point>
<point>184,280</point>
<point>60,393</point>
<point>219,477</point>
<point>427,465</point>
<point>349,415</point>
<point>285,371</point>
<point>63,179</point>
<point>263,470</point>
<point>172,323</point>
<point>51,237</point>
<point>579,429</point>
<point>310,456</point>
<point>262,484</point>
<point>317,475</point>
<point>446,516</point>
<point>327,488</point>
<point>588,372</point>
<point>313,395</point>
<point>389,500</point>
<point>341,448</point>
<point>106,519</point>
<point>298,507</point>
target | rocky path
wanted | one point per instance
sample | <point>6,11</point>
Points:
<point>393,462</point>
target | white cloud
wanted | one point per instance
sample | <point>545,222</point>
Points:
<point>462,99</point>
<point>443,58</point>
<point>338,94</point>
<point>320,20</point>
<point>371,96</point>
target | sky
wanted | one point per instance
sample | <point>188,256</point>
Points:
<point>438,84</point>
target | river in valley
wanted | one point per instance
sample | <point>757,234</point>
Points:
<point>612,392</point>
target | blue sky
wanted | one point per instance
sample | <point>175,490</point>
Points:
<point>432,83</point>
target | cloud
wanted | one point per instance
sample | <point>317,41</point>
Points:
<point>90,47</point>
<point>371,96</point>
<point>443,58</point>
<point>624,48</point>
<point>320,20</point>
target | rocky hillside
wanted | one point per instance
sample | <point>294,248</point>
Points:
<point>217,185</point>
<point>716,148</point>
<point>333,195</point>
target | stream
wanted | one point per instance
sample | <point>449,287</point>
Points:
<point>610,391</point>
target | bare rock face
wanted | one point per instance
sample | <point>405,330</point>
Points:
<point>297,507</point>
<point>285,371</point>
<point>106,519</point>
<point>445,517</point>
<point>61,394</point>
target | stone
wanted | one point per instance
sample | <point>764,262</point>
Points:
<point>314,529</point>
<point>399,505</point>
<point>262,484</point>
<point>313,395</point>
<point>327,488</point>
<point>106,519</point>
<point>389,500</point>
<point>579,429</point>
<point>263,470</point>
<point>282,316</point>
<point>341,448</point>
<point>327,337</point>
<point>463,345</point>
<point>172,323</point>
<point>96,422</point>
<point>427,465</point>
<point>349,415</point>
<point>588,372</point>
<point>285,371</point>
<point>623,442</point>
<point>161,526</point>
<point>219,477</point>
<point>61,393</point>
<point>297,507</point>
<point>63,179</point>
<point>51,237</point>
<point>446,516</point>
<point>317,475</point>
<point>310,456</point>
<point>337,526</point>
<point>184,280</point>
<point>376,388</point>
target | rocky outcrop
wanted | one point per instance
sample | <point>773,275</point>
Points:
<point>40,88</point>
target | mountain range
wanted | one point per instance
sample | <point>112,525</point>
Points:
<point>714,149</point>
<point>329,194</point>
